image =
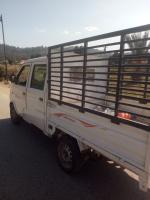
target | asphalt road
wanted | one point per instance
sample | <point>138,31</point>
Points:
<point>29,170</point>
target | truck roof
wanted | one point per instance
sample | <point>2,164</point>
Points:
<point>39,59</point>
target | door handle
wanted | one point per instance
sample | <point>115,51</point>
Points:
<point>23,93</point>
<point>40,99</point>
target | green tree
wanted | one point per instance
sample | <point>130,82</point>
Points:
<point>141,42</point>
<point>139,46</point>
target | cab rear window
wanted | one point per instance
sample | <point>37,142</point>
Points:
<point>38,77</point>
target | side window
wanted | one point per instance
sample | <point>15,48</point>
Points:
<point>38,77</point>
<point>23,76</point>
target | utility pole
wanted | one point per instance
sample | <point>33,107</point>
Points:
<point>4,47</point>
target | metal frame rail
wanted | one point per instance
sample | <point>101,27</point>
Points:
<point>105,72</point>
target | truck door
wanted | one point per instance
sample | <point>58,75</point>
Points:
<point>36,97</point>
<point>19,90</point>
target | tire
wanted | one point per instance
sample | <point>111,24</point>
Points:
<point>15,118</point>
<point>69,156</point>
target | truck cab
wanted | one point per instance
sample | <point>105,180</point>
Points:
<point>28,92</point>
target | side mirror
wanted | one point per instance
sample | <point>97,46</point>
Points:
<point>13,78</point>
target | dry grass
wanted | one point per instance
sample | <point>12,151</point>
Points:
<point>11,69</point>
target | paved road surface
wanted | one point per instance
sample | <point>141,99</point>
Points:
<point>29,170</point>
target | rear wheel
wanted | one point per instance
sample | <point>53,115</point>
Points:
<point>15,118</point>
<point>69,156</point>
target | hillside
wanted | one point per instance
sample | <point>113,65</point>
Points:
<point>16,54</point>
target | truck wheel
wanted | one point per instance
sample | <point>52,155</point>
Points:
<point>69,156</point>
<point>15,118</point>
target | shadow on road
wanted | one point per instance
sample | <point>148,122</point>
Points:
<point>29,170</point>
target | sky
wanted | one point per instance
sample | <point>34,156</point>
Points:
<point>31,23</point>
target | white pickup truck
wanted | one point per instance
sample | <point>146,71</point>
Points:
<point>84,93</point>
